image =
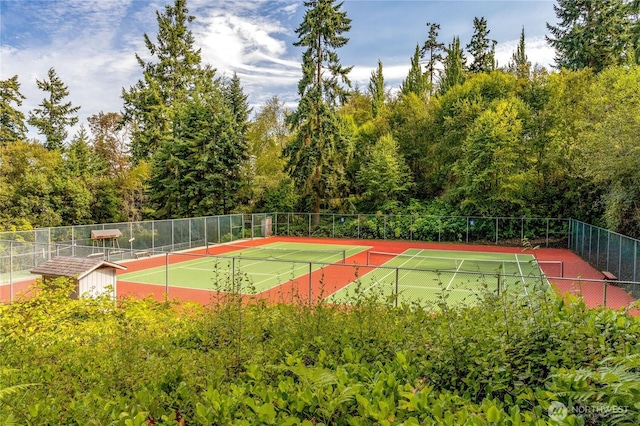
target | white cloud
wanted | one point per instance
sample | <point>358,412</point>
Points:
<point>537,50</point>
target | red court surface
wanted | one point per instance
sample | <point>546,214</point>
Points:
<point>333,277</point>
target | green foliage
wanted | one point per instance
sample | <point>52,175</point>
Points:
<point>592,34</point>
<point>481,48</point>
<point>196,172</point>
<point>454,66</point>
<point>150,105</point>
<point>54,116</point>
<point>384,175</point>
<point>610,144</point>
<point>416,82</point>
<point>318,153</point>
<point>12,127</point>
<point>503,361</point>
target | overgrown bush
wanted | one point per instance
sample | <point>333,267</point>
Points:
<point>237,361</point>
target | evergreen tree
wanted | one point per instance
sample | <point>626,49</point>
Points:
<point>197,172</point>
<point>481,47</point>
<point>151,103</point>
<point>316,154</point>
<point>416,81</point>
<point>238,103</point>
<point>377,90</point>
<point>12,127</point>
<point>592,34</point>
<point>434,49</point>
<point>55,115</point>
<point>454,66</point>
<point>520,65</point>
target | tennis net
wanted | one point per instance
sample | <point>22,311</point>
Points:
<point>289,253</point>
<point>502,266</point>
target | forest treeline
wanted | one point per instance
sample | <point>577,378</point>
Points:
<point>460,136</point>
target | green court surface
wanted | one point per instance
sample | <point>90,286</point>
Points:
<point>256,269</point>
<point>434,275</point>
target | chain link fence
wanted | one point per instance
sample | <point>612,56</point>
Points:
<point>545,232</point>
<point>609,252</point>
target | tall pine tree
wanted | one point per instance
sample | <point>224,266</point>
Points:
<point>55,115</point>
<point>12,127</point>
<point>416,81</point>
<point>592,34</point>
<point>481,47</point>
<point>316,154</point>
<point>170,80</point>
<point>454,66</point>
<point>377,90</point>
<point>434,49</point>
<point>519,64</point>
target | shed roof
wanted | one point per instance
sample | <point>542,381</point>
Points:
<point>76,267</point>
<point>105,234</point>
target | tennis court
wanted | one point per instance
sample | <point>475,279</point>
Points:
<point>256,268</point>
<point>422,275</point>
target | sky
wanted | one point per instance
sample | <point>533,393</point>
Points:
<point>92,43</point>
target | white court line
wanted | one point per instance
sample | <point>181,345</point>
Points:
<point>522,275</point>
<point>385,275</point>
<point>454,275</point>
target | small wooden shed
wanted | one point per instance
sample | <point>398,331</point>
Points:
<point>92,276</point>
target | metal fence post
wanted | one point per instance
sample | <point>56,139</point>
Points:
<point>619,274</point>
<point>467,229</point>
<point>604,293</point>
<point>635,259</point>
<point>547,238</point>
<point>172,234</point>
<point>166,276</point>
<point>384,227</point>
<point>11,271</point>
<point>333,225</point>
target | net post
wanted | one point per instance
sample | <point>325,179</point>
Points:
<point>310,284</point>
<point>397,286</point>
<point>233,273</point>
